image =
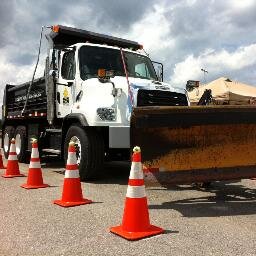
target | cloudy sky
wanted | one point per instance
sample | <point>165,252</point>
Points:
<point>186,35</point>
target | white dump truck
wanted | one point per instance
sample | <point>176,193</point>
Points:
<point>92,83</point>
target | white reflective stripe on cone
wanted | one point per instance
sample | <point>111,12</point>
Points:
<point>34,165</point>
<point>12,157</point>
<point>12,148</point>
<point>136,171</point>
<point>136,191</point>
<point>35,153</point>
<point>72,174</point>
<point>71,158</point>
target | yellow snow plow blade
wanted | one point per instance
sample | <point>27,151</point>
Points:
<point>195,144</point>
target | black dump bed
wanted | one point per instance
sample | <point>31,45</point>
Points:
<point>15,98</point>
<point>62,36</point>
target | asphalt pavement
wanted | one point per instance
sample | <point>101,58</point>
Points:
<point>220,220</point>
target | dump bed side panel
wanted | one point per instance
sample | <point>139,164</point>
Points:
<point>15,97</point>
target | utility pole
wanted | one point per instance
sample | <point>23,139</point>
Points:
<point>205,71</point>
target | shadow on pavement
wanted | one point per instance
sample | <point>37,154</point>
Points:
<point>168,231</point>
<point>229,200</point>
<point>116,172</point>
<point>53,162</point>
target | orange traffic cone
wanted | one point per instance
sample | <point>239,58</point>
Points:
<point>1,161</point>
<point>72,191</point>
<point>35,178</point>
<point>136,224</point>
<point>12,169</point>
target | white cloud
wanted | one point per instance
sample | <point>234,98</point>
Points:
<point>153,30</point>
<point>242,4</point>
<point>11,72</point>
<point>216,62</point>
<point>14,74</point>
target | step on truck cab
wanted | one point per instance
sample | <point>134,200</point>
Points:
<point>91,84</point>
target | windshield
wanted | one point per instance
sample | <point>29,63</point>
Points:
<point>93,58</point>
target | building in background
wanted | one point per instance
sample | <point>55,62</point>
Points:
<point>226,91</point>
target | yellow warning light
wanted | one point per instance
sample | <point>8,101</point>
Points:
<point>101,73</point>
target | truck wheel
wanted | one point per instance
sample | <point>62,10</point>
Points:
<point>21,143</point>
<point>90,150</point>
<point>7,136</point>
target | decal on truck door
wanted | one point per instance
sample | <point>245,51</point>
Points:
<point>65,97</point>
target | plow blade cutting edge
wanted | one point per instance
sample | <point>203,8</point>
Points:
<point>181,145</point>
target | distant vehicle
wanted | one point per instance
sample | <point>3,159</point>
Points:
<point>106,95</point>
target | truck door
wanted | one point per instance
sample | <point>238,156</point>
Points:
<point>65,85</point>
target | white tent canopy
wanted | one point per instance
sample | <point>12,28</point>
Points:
<point>225,91</point>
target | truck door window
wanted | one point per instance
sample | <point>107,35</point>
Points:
<point>68,68</point>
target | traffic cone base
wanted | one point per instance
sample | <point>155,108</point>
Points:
<point>35,180</point>
<point>13,176</point>
<point>136,216</point>
<point>70,204</point>
<point>136,224</point>
<point>34,186</point>
<point>12,169</point>
<point>35,177</point>
<point>72,194</point>
<point>151,231</point>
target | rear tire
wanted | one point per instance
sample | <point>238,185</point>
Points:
<point>90,150</point>
<point>21,144</point>
<point>7,136</point>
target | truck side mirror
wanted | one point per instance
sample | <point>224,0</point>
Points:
<point>159,69</point>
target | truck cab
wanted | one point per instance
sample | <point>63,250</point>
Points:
<point>107,100</point>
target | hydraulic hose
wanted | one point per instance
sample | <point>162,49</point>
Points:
<point>127,79</point>
<point>33,77</point>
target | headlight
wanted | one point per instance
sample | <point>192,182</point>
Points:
<point>106,114</point>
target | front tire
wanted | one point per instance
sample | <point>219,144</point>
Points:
<point>90,150</point>
<point>7,136</point>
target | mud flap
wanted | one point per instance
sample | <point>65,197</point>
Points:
<point>201,143</point>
